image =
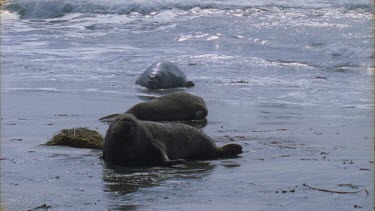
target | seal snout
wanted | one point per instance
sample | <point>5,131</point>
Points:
<point>152,85</point>
<point>152,82</point>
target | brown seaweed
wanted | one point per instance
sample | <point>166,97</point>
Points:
<point>77,137</point>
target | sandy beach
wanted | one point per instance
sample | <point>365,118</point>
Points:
<point>285,147</point>
<point>291,81</point>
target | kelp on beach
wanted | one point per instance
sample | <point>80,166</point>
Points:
<point>77,137</point>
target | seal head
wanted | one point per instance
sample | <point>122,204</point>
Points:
<point>163,75</point>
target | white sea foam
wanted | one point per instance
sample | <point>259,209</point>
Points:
<point>36,89</point>
<point>57,8</point>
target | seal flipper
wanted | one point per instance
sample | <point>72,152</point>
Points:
<point>189,84</point>
<point>229,150</point>
<point>162,157</point>
<point>109,118</point>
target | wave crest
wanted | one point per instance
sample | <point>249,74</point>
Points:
<point>36,9</point>
<point>40,9</point>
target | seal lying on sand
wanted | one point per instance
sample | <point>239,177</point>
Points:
<point>129,141</point>
<point>163,75</point>
<point>178,106</point>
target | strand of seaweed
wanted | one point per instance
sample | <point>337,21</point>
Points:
<point>339,192</point>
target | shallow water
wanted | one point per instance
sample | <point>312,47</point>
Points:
<point>291,81</point>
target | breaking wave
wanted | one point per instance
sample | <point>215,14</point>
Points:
<point>36,9</point>
<point>56,8</point>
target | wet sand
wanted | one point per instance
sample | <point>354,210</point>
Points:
<point>291,81</point>
<point>296,157</point>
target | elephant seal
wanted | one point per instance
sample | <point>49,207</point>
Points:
<point>132,142</point>
<point>163,75</point>
<point>178,106</point>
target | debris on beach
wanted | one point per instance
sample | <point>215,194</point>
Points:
<point>320,77</point>
<point>77,137</point>
<point>41,207</point>
<point>239,82</point>
<point>332,191</point>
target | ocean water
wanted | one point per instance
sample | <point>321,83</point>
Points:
<point>272,44</point>
<point>263,67</point>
